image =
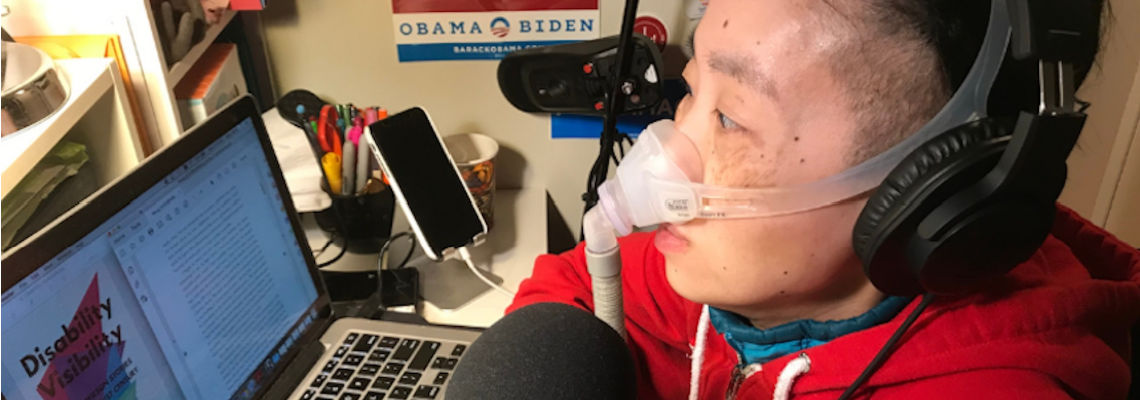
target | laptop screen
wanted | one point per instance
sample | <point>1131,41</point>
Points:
<point>194,290</point>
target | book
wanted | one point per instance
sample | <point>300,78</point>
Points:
<point>211,83</point>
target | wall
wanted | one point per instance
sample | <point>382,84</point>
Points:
<point>1123,214</point>
<point>345,53</point>
<point>1096,165</point>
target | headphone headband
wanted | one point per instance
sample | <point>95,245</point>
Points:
<point>977,197</point>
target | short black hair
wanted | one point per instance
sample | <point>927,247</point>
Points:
<point>895,95</point>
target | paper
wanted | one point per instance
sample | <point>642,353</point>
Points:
<point>298,163</point>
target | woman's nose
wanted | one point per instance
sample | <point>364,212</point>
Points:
<point>684,120</point>
<point>692,121</point>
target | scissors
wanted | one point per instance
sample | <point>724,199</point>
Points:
<point>327,133</point>
<point>298,106</point>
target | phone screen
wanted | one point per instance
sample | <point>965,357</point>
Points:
<point>424,177</point>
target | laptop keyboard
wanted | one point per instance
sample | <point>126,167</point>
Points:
<point>373,367</point>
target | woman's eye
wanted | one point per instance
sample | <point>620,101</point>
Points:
<point>726,122</point>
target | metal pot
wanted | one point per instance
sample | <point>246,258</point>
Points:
<point>32,87</point>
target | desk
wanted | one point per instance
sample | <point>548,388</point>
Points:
<point>452,294</point>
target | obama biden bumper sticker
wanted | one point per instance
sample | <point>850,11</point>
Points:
<point>437,30</point>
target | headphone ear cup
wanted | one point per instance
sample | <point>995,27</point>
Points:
<point>933,172</point>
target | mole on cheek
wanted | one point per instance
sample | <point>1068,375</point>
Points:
<point>725,24</point>
<point>723,268</point>
<point>801,161</point>
<point>785,272</point>
<point>797,138</point>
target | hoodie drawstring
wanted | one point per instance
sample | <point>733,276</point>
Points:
<point>794,369</point>
<point>798,366</point>
<point>699,353</point>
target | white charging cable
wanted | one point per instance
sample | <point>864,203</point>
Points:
<point>466,256</point>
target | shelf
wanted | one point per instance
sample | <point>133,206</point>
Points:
<point>87,80</point>
<point>179,69</point>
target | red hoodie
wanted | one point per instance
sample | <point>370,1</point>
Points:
<point>1057,326</point>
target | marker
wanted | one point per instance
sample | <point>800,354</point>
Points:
<point>348,168</point>
<point>356,130</point>
<point>331,163</point>
<point>363,156</point>
<point>369,116</point>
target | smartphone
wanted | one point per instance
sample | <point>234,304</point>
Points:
<point>427,184</point>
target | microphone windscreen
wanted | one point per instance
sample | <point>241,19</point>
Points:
<point>546,351</point>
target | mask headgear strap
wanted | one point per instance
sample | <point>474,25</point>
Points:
<point>967,104</point>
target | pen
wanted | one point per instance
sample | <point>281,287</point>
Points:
<point>339,117</point>
<point>331,164</point>
<point>346,115</point>
<point>348,168</point>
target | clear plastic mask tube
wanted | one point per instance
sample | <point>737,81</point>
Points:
<point>659,181</point>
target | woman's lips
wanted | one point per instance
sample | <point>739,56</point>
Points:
<point>670,240</point>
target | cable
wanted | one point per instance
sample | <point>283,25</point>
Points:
<point>387,243</point>
<point>622,142</point>
<point>343,247</point>
<point>1084,105</point>
<point>887,348</point>
<point>614,105</point>
<point>466,256</point>
<point>325,247</point>
<point>339,218</point>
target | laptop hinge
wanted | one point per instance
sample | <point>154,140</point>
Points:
<point>300,365</point>
<point>295,371</point>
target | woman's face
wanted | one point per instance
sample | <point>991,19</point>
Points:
<point>765,110</point>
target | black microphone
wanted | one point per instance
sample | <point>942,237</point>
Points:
<point>546,351</point>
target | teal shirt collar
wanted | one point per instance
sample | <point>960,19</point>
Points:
<point>762,345</point>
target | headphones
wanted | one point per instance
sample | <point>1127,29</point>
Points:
<point>976,200</point>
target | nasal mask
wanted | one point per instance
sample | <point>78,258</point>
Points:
<point>661,179</point>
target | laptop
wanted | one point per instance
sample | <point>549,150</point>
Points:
<point>190,278</point>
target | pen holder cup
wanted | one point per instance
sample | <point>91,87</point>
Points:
<point>474,156</point>
<point>364,220</point>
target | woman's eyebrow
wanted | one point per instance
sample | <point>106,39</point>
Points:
<point>744,69</point>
